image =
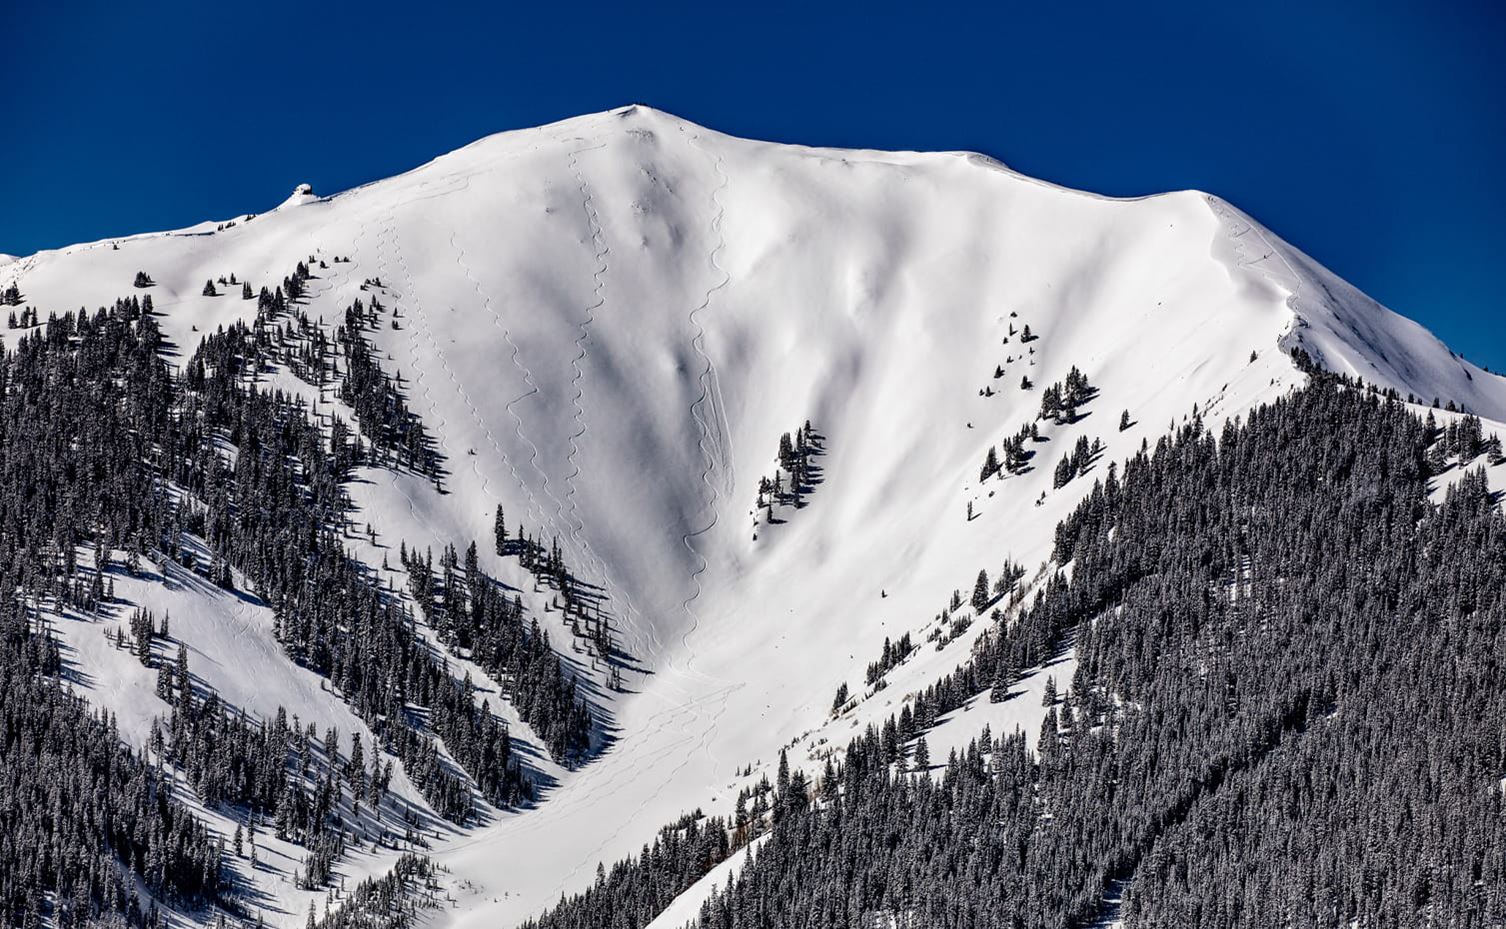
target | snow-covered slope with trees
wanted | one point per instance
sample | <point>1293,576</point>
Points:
<point>608,323</point>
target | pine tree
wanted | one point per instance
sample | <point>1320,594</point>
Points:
<point>980,592</point>
<point>990,465</point>
<point>1002,677</point>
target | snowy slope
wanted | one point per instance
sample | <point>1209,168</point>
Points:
<point>608,322</point>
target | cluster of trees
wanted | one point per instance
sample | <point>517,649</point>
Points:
<point>634,891</point>
<point>1016,456</point>
<point>985,594</point>
<point>1463,440</point>
<point>1077,461</point>
<point>144,632</point>
<point>949,626</point>
<point>1060,401</point>
<point>329,613</point>
<point>377,399</point>
<point>102,446</point>
<point>211,291</point>
<point>27,319</point>
<point>1283,711</point>
<point>85,823</point>
<point>11,296</point>
<point>890,657</point>
<point>1026,336</point>
<point>284,333</point>
<point>143,279</point>
<point>470,612</point>
<point>393,901</point>
<point>278,771</point>
<point>1059,405</point>
<point>579,603</point>
<point>796,474</point>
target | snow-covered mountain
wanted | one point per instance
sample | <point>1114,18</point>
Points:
<point>609,322</point>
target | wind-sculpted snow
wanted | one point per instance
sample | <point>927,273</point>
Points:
<point>607,323</point>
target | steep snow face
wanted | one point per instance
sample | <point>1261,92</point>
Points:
<point>1345,331</point>
<point>608,322</point>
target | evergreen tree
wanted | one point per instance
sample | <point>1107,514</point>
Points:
<point>981,596</point>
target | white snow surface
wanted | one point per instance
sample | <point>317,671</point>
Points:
<point>609,321</point>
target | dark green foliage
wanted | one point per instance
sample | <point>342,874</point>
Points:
<point>93,432</point>
<point>469,611</point>
<point>990,465</point>
<point>891,656</point>
<point>275,770</point>
<point>1075,462</point>
<point>380,409</point>
<point>981,593</point>
<point>797,473</point>
<point>1017,453</point>
<point>840,700</point>
<point>393,901</point>
<point>1060,401</point>
<point>1285,712</point>
<point>632,893</point>
<point>329,614</point>
<point>81,817</point>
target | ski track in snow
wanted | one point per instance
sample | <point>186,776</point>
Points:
<point>428,335</point>
<point>565,511</point>
<point>423,326</point>
<point>710,447</point>
<point>384,276</point>
<point>577,378</point>
<point>535,510</point>
<point>629,625</point>
<point>421,318</point>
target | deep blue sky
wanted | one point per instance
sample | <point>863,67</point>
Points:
<point>1373,136</point>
